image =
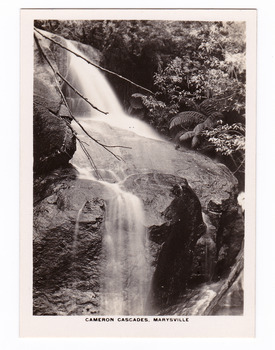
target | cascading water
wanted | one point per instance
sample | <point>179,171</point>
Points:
<point>95,87</point>
<point>125,264</point>
<point>125,284</point>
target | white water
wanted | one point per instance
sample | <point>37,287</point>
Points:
<point>125,284</point>
<point>76,229</point>
<point>125,266</point>
<point>94,86</point>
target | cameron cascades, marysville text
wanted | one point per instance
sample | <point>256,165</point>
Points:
<point>136,227</point>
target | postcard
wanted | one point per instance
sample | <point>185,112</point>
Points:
<point>137,173</point>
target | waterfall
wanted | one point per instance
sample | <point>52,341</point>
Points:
<point>95,87</point>
<point>125,270</point>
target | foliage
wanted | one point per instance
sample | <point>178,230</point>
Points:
<point>157,113</point>
<point>226,139</point>
<point>228,142</point>
<point>214,69</point>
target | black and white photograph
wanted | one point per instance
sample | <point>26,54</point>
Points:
<point>139,143</point>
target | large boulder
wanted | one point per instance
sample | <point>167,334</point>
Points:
<point>183,221</point>
<point>152,167</point>
<point>68,226</point>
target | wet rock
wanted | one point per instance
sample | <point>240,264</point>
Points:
<point>54,143</point>
<point>68,226</point>
<point>229,240</point>
<point>216,250</point>
<point>155,190</point>
<point>174,265</point>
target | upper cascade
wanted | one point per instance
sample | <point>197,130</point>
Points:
<point>93,85</point>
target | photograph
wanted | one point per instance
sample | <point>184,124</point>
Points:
<point>140,150</point>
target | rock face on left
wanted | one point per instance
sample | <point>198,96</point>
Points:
<point>68,224</point>
<point>54,142</point>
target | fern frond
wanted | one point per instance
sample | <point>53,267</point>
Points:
<point>187,119</point>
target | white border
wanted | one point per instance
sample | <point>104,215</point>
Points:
<point>237,326</point>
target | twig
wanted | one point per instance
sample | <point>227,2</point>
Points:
<point>239,167</point>
<point>89,158</point>
<point>79,94</point>
<point>234,274</point>
<point>93,64</point>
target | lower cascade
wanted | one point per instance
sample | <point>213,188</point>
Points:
<point>125,275</point>
<point>125,261</point>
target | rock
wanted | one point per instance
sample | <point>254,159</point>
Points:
<point>204,262</point>
<point>68,228</point>
<point>174,266</point>
<point>68,220</point>
<point>155,190</point>
<point>229,240</point>
<point>180,235</point>
<point>54,143</point>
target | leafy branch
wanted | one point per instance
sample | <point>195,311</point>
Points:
<point>227,139</point>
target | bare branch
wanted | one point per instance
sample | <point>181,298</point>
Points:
<point>79,94</point>
<point>93,64</point>
<point>234,274</point>
<point>65,80</point>
<point>239,167</point>
<point>89,158</point>
<point>106,147</point>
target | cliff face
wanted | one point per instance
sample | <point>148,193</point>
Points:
<point>54,142</point>
<point>193,222</point>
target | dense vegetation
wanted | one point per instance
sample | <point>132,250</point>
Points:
<point>190,66</point>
